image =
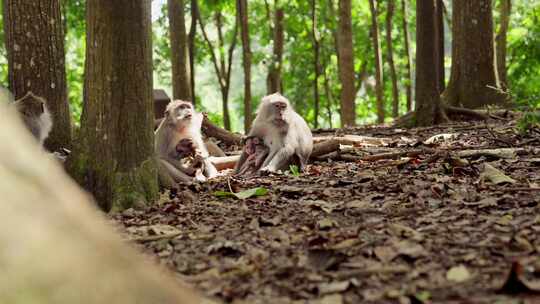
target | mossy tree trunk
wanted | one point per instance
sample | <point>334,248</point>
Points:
<point>274,83</point>
<point>36,60</point>
<point>114,156</point>
<point>501,40</point>
<point>473,78</point>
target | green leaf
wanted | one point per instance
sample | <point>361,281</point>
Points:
<point>294,170</point>
<point>254,192</point>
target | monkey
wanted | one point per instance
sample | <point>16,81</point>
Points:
<point>284,132</point>
<point>34,113</point>
<point>256,152</point>
<point>180,133</point>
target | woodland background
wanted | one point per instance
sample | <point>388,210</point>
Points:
<point>300,46</point>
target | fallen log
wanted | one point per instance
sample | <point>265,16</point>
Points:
<point>211,130</point>
<point>56,246</point>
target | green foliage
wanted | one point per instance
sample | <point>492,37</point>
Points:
<point>529,121</point>
<point>298,67</point>
<point>524,54</point>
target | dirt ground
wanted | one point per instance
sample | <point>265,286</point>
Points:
<point>435,223</point>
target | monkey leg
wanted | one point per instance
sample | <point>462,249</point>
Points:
<point>280,161</point>
<point>173,172</point>
<point>210,170</point>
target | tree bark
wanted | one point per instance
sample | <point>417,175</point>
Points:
<point>223,64</point>
<point>408,55</point>
<point>473,78</point>
<point>390,58</point>
<point>34,34</point>
<point>114,158</point>
<point>378,61</point>
<point>428,103</point>
<point>181,79</point>
<point>346,64</point>
<point>242,8</point>
<point>193,46</point>
<point>274,82</point>
<point>316,61</point>
<point>439,18</point>
<point>500,40</point>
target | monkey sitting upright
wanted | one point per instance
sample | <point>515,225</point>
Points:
<point>283,131</point>
<point>34,113</point>
<point>178,136</point>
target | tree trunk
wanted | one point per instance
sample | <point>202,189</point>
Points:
<point>473,78</point>
<point>440,43</point>
<point>242,7</point>
<point>408,55</point>
<point>346,64</point>
<point>505,8</point>
<point>428,103</point>
<point>114,159</point>
<point>390,56</point>
<point>34,34</point>
<point>274,82</point>
<point>378,61</point>
<point>181,79</point>
<point>316,61</point>
<point>193,46</point>
<point>222,65</point>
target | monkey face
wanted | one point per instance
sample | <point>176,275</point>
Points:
<point>180,112</point>
<point>279,110</point>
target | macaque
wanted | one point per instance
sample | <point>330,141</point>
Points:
<point>284,132</point>
<point>179,136</point>
<point>256,152</point>
<point>34,113</point>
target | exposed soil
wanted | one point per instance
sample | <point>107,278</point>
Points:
<point>437,227</point>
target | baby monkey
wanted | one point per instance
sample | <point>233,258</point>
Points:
<point>256,152</point>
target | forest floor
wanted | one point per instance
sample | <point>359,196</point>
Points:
<point>440,224</point>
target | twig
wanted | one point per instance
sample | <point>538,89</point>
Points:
<point>521,189</point>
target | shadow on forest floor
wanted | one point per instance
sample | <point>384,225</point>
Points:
<point>435,227</point>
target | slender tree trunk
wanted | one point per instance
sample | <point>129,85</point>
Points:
<point>346,64</point>
<point>378,61</point>
<point>408,55</point>
<point>505,9</point>
<point>242,7</point>
<point>114,159</point>
<point>473,78</point>
<point>439,17</point>
<point>274,82</point>
<point>390,56</point>
<point>428,103</point>
<point>34,34</point>
<point>193,46</point>
<point>223,64</point>
<point>181,78</point>
<point>316,60</point>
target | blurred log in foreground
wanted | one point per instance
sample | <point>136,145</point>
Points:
<point>54,246</point>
